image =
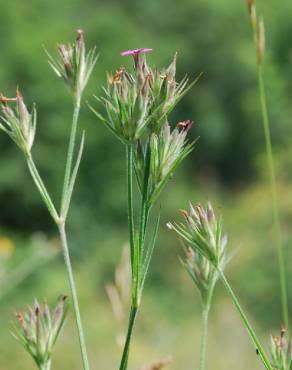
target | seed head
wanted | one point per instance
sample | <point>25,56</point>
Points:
<point>74,65</point>
<point>38,328</point>
<point>17,122</point>
<point>281,351</point>
<point>202,232</point>
<point>142,99</point>
<point>166,151</point>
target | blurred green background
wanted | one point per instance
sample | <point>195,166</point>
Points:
<point>227,166</point>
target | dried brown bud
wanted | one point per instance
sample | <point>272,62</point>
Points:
<point>5,100</point>
<point>184,213</point>
<point>282,330</point>
<point>250,3</point>
<point>185,125</point>
<point>80,39</point>
<point>118,75</point>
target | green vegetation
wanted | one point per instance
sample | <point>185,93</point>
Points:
<point>228,165</point>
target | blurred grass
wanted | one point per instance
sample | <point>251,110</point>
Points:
<point>227,166</point>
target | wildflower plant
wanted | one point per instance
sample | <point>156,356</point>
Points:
<point>136,108</point>
<point>75,67</point>
<point>203,233</point>
<point>38,329</point>
<point>202,228</point>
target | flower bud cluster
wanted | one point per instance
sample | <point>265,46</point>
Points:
<point>38,330</point>
<point>74,65</point>
<point>18,122</point>
<point>281,351</point>
<point>144,98</point>
<point>167,151</point>
<point>203,233</point>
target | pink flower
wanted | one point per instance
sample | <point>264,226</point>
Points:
<point>135,52</point>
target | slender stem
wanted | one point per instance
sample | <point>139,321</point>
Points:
<point>45,366</point>
<point>41,188</point>
<point>74,296</point>
<point>130,203</point>
<point>125,356</point>
<point>70,154</point>
<point>246,322</point>
<point>206,303</point>
<point>145,206</point>
<point>277,226</point>
<point>205,316</point>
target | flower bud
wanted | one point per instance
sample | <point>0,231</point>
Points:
<point>38,329</point>
<point>18,123</point>
<point>203,233</point>
<point>167,151</point>
<point>74,66</point>
<point>281,351</point>
<point>144,99</point>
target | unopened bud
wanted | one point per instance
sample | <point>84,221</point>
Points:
<point>80,40</point>
<point>210,213</point>
<point>185,125</point>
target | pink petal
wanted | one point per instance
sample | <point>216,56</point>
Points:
<point>135,51</point>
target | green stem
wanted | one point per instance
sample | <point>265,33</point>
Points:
<point>70,154</point>
<point>74,295</point>
<point>205,316</point>
<point>125,356</point>
<point>206,303</point>
<point>41,188</point>
<point>45,366</point>
<point>130,203</point>
<point>277,226</point>
<point>246,322</point>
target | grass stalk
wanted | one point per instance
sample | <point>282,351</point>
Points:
<point>70,153</point>
<point>125,356</point>
<point>72,284</point>
<point>203,347</point>
<point>205,319</point>
<point>260,350</point>
<point>135,260</point>
<point>130,203</point>
<point>273,185</point>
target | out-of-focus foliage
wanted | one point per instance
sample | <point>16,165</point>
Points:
<point>228,166</point>
<point>209,36</point>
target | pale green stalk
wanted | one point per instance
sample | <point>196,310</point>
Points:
<point>61,220</point>
<point>66,196</point>
<point>74,296</point>
<point>206,304</point>
<point>46,366</point>
<point>125,356</point>
<point>136,247</point>
<point>276,217</point>
<point>260,350</point>
<point>130,202</point>
<point>70,153</point>
<point>135,260</point>
<point>42,189</point>
<point>258,32</point>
